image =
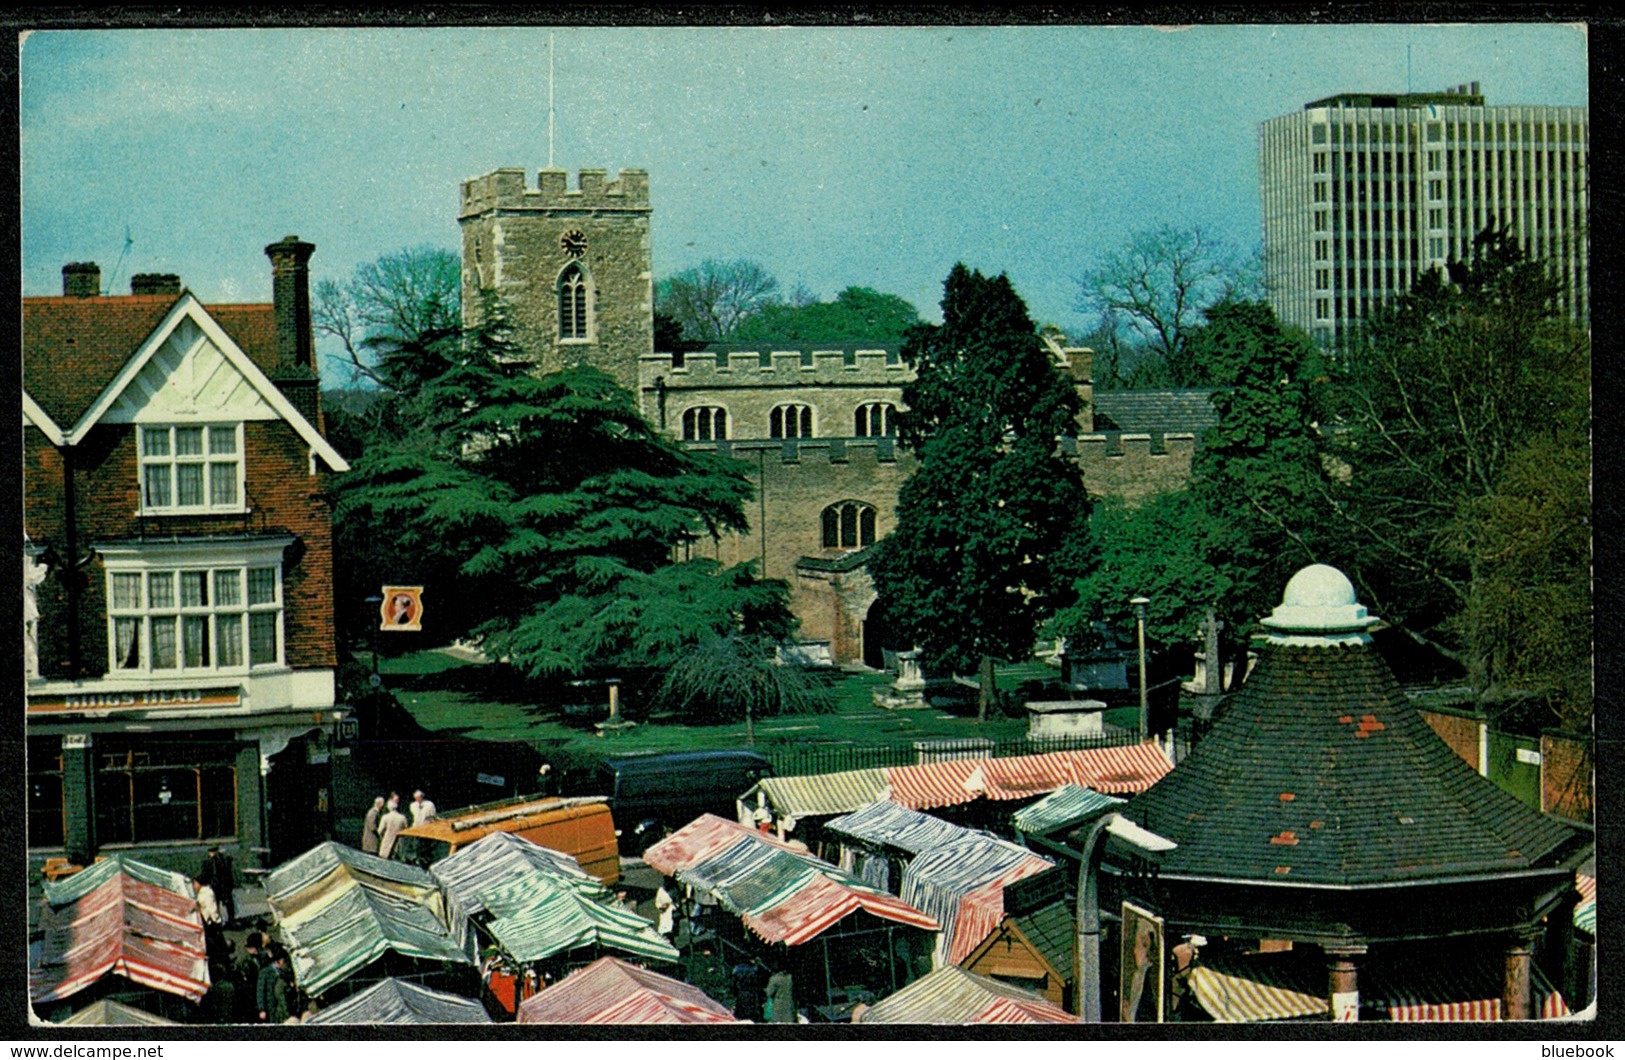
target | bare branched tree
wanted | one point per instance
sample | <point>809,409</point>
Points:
<point>1157,286</point>
<point>402,301</point>
<point>711,299</point>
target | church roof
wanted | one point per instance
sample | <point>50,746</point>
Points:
<point>1321,773</point>
<point>1155,411</point>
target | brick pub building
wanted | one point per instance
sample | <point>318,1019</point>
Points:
<point>177,566</point>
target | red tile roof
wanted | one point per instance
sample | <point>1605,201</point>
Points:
<point>74,347</point>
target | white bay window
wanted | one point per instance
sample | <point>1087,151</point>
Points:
<point>180,608</point>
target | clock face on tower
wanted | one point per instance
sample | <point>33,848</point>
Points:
<point>574,243</point>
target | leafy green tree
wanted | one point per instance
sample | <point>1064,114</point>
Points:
<point>1254,511</point>
<point>990,531</point>
<point>1453,399</point>
<point>732,673</point>
<point>543,512</point>
<point>858,314</point>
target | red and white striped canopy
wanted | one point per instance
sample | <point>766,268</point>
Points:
<point>612,991</point>
<point>1111,770</point>
<point>145,933</point>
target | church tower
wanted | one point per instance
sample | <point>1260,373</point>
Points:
<point>573,265</point>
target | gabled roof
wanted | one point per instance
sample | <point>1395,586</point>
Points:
<point>612,991</point>
<point>79,355</point>
<point>1321,773</point>
<point>121,917</point>
<point>396,1002</point>
<point>951,995</point>
<point>339,909</point>
<point>1155,411</point>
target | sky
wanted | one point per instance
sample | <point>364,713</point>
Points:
<point>835,156</point>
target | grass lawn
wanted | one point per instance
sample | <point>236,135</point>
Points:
<point>450,695</point>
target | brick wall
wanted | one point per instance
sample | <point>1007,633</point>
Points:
<point>1458,732</point>
<point>1565,775</point>
<point>283,495</point>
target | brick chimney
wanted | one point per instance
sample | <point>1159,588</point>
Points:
<point>290,298</point>
<point>155,283</point>
<point>81,279</point>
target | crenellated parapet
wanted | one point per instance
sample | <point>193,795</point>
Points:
<point>1132,466</point>
<point>707,369</point>
<point>506,189</point>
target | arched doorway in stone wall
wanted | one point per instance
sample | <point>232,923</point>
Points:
<point>878,637</point>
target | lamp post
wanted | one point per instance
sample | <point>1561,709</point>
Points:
<point>1086,996</point>
<point>376,602</point>
<point>1139,603</point>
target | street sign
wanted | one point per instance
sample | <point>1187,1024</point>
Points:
<point>402,609</point>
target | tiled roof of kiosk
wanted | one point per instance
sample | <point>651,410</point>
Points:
<point>1320,772</point>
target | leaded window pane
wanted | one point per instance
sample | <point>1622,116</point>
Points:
<point>262,586</point>
<point>157,485</point>
<point>127,642</point>
<point>195,641</point>
<point>161,590</point>
<point>155,442</point>
<point>126,591</point>
<point>194,588</point>
<point>222,440</point>
<point>163,643</point>
<point>228,638</point>
<point>222,484</point>
<point>189,485</point>
<point>262,638</point>
<point>228,588</point>
<point>188,441</point>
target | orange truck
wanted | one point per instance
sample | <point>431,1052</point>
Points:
<point>580,827</point>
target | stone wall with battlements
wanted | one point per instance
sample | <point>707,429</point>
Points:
<point>518,241</point>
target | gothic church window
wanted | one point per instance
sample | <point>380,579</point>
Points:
<point>849,524</point>
<point>790,421</point>
<point>705,423</point>
<point>574,304</point>
<point>877,419</point>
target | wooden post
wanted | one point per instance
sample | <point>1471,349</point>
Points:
<point>1515,984</point>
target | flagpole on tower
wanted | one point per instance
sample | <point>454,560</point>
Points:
<point>550,101</point>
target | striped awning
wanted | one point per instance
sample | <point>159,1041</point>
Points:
<point>961,883</point>
<point>1242,992</point>
<point>1585,912</point>
<point>107,920</point>
<point>820,795</point>
<point>781,893</point>
<point>1062,808</point>
<point>1105,769</point>
<point>540,901</point>
<point>339,910</point>
<point>888,824</point>
<point>951,995</point>
<point>1454,994</point>
<point>612,991</point>
<point>395,1002</point>
<point>1258,987</point>
<point>533,917</point>
<point>109,1013</point>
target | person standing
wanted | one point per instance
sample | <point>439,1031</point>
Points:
<point>390,825</point>
<point>218,873</point>
<point>665,907</point>
<point>271,992</point>
<point>422,809</point>
<point>781,997</point>
<point>369,826</point>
